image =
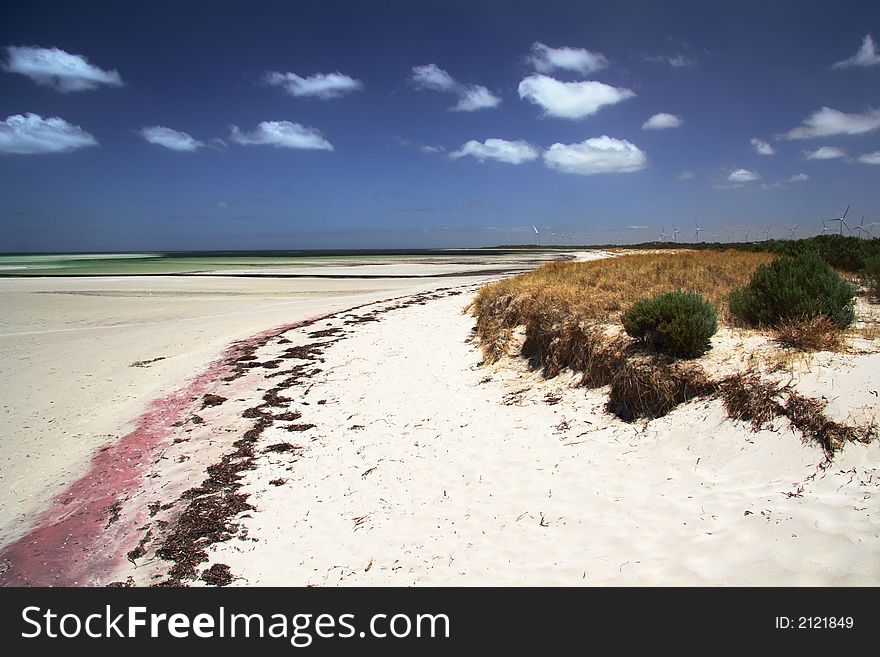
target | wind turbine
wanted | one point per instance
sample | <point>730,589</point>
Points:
<point>537,237</point>
<point>860,228</point>
<point>767,233</point>
<point>842,220</point>
<point>792,230</point>
<point>675,232</point>
<point>824,227</point>
<point>662,237</point>
<point>746,233</point>
<point>698,229</point>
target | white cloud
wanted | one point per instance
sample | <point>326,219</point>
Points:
<point>63,71</point>
<point>475,97</point>
<point>825,153</point>
<point>281,134</point>
<point>471,97</point>
<point>827,122</point>
<point>431,76</point>
<point>598,155</point>
<point>685,175</point>
<point>320,85</point>
<point>762,147</point>
<point>512,152</point>
<point>866,56</point>
<point>743,176</point>
<point>798,177</point>
<point>546,59</point>
<point>662,121</point>
<point>870,158</point>
<point>675,61</point>
<point>34,134</point>
<point>432,149</point>
<point>570,100</point>
<point>173,139</point>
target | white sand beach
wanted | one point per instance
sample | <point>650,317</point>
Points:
<point>451,474</point>
<point>83,357</point>
<point>371,447</point>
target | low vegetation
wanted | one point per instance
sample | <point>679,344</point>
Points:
<point>845,253</point>
<point>794,288</point>
<point>871,277</point>
<point>809,334</point>
<point>677,323</point>
<point>562,302</point>
<point>570,314</point>
<point>631,323</point>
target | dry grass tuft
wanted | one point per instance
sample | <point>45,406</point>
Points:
<point>555,342</point>
<point>809,334</point>
<point>808,416</point>
<point>747,397</point>
<point>650,388</point>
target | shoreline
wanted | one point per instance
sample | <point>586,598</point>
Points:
<point>368,446</point>
<point>84,357</point>
<point>86,545</point>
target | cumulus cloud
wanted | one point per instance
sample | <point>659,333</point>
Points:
<point>826,122</point>
<point>762,147</point>
<point>431,76</point>
<point>320,85</point>
<point>662,121</point>
<point>56,68</point>
<point>475,97</point>
<point>798,177</point>
<point>675,61</point>
<point>546,59</point>
<point>825,153</point>
<point>281,134</point>
<point>34,134</point>
<point>570,100</point>
<point>866,56</point>
<point>471,97</point>
<point>743,176</point>
<point>172,139</point>
<point>598,155</point>
<point>870,158</point>
<point>512,152</point>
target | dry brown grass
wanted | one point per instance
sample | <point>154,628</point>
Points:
<point>570,314</point>
<point>576,297</point>
<point>809,334</point>
<point>650,388</point>
<point>746,396</point>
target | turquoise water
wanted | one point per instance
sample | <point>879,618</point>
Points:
<point>108,264</point>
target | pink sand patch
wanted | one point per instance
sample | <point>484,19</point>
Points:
<point>72,543</point>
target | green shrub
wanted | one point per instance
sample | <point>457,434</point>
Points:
<point>799,287</point>
<point>871,276</point>
<point>678,323</point>
<point>846,253</point>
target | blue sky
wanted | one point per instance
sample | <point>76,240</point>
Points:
<point>409,124</point>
